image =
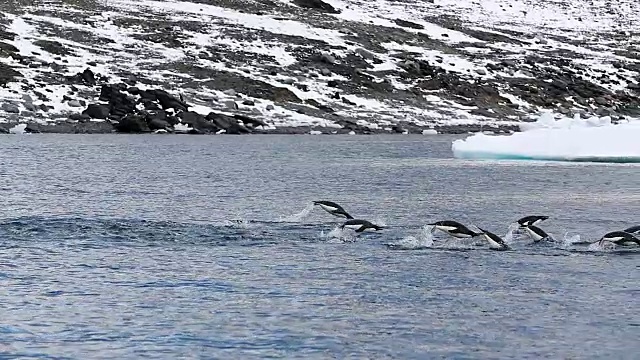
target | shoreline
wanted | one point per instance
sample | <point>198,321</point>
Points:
<point>106,127</point>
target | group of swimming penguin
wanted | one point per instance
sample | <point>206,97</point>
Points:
<point>626,237</point>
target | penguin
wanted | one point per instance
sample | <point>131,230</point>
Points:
<point>333,209</point>
<point>620,238</point>
<point>361,225</point>
<point>634,230</point>
<point>495,241</point>
<point>536,233</point>
<point>531,220</point>
<point>454,229</point>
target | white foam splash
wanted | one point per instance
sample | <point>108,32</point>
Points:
<point>238,222</point>
<point>424,239</point>
<point>569,240</point>
<point>380,222</point>
<point>604,246</point>
<point>339,235</point>
<point>18,129</point>
<point>508,236</point>
<point>298,216</point>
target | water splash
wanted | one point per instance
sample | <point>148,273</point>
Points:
<point>508,236</point>
<point>604,246</point>
<point>298,216</point>
<point>570,240</point>
<point>18,129</point>
<point>238,222</point>
<point>424,239</point>
<point>380,221</point>
<point>339,235</point>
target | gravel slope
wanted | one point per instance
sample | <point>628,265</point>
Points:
<point>241,66</point>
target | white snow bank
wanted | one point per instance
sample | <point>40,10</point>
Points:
<point>594,139</point>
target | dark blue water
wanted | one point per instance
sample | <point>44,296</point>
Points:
<point>128,247</point>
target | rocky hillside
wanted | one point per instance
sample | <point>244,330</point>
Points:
<point>247,66</point>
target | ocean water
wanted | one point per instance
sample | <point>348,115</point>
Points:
<point>166,247</point>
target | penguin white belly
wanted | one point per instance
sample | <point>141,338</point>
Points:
<point>460,236</point>
<point>532,234</point>
<point>328,208</point>
<point>614,239</point>
<point>628,243</point>
<point>445,228</point>
<point>492,243</point>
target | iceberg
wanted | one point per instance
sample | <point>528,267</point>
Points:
<point>567,139</point>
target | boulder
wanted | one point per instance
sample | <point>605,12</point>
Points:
<point>198,122</point>
<point>97,111</point>
<point>132,124</point>
<point>317,5</point>
<point>227,123</point>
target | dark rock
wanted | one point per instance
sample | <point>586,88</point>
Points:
<point>173,120</point>
<point>148,95</point>
<point>80,117</point>
<point>150,105</point>
<point>319,106</point>
<point>601,101</point>
<point>198,122</point>
<point>97,111</point>
<point>347,101</point>
<point>159,115</point>
<point>559,84</point>
<point>250,87</point>
<point>7,50</point>
<point>483,112</point>
<point>88,77</point>
<point>248,103</point>
<point>11,108</point>
<point>132,123</point>
<point>168,101</point>
<point>317,5</point>
<point>249,120</point>
<point>227,123</point>
<point>133,90</point>
<point>7,74</point>
<point>53,47</point>
<point>327,58</point>
<point>80,127</point>
<point>408,24</point>
<point>157,124</point>
<point>303,87</point>
<point>398,129</point>
<point>332,83</point>
<point>119,103</point>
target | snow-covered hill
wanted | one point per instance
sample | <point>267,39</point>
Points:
<point>242,66</point>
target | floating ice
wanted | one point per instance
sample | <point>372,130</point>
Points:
<point>594,139</point>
